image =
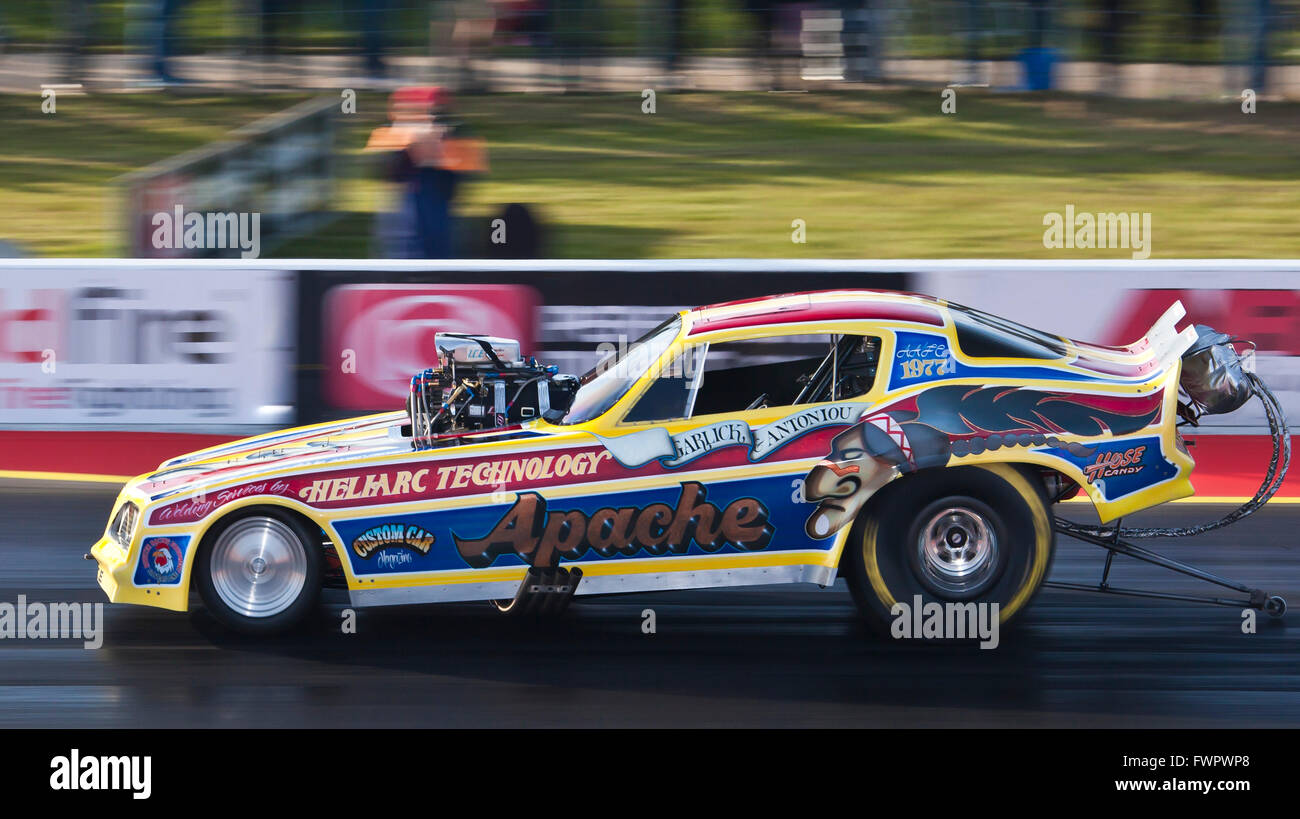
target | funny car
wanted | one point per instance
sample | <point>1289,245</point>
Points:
<point>910,445</point>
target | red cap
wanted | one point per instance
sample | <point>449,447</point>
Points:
<point>417,101</point>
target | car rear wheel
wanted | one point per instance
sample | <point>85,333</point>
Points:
<point>978,535</point>
<point>260,572</point>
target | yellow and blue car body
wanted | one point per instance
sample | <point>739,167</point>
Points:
<point>699,498</point>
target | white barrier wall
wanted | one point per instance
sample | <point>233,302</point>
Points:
<point>214,344</point>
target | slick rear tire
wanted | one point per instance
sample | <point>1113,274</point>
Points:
<point>259,572</point>
<point>978,534</point>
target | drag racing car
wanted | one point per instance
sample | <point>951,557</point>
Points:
<point>911,445</point>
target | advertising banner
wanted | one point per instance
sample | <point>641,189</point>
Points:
<point>377,335</point>
<point>115,345</point>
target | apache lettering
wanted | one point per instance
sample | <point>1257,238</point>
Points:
<point>392,534</point>
<point>1107,464</point>
<point>542,537</point>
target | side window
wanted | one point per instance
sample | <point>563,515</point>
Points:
<point>763,372</point>
<point>672,394</point>
<point>857,370</point>
<point>786,371</point>
<point>759,372</point>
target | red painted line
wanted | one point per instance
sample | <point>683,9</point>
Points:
<point>1232,466</point>
<point>96,453</point>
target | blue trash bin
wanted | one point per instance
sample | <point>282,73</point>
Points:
<point>1040,68</point>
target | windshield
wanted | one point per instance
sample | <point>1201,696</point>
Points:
<point>610,380</point>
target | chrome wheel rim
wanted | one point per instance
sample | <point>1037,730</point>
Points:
<point>958,550</point>
<point>258,567</point>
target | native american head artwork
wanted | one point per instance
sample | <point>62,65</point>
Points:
<point>929,428</point>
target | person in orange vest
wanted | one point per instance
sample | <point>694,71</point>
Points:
<point>430,153</point>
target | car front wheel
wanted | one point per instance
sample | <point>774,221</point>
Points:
<point>259,573</point>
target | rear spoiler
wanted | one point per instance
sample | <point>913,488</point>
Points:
<point>1167,345</point>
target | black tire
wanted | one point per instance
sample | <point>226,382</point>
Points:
<point>218,575</point>
<point>940,513</point>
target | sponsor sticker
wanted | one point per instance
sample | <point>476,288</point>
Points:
<point>389,535</point>
<point>1118,462</point>
<point>161,561</point>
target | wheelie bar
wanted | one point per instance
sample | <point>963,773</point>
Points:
<point>1273,605</point>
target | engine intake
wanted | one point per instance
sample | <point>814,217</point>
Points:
<point>483,383</point>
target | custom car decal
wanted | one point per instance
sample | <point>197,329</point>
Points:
<point>378,538</point>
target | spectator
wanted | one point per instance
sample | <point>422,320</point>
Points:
<point>858,38</point>
<point>429,155</point>
<point>165,44</point>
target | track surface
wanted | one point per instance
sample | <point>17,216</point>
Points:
<point>791,656</point>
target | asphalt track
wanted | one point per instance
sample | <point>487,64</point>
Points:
<point>791,656</point>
